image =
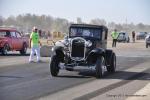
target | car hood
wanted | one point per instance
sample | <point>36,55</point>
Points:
<point>2,38</point>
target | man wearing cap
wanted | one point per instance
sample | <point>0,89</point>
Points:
<point>114,35</point>
<point>34,44</point>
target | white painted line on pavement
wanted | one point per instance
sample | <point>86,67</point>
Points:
<point>142,94</point>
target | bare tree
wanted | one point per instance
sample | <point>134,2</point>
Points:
<point>98,21</point>
<point>25,23</point>
<point>79,20</point>
<point>1,21</point>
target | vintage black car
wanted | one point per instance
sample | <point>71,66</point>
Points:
<point>85,45</point>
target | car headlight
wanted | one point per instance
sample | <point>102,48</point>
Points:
<point>88,43</point>
<point>52,49</point>
<point>66,43</point>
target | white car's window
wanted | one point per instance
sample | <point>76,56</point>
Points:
<point>18,35</point>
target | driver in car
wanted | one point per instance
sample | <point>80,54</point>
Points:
<point>87,33</point>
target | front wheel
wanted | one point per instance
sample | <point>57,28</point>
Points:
<point>5,49</point>
<point>100,67</point>
<point>54,65</point>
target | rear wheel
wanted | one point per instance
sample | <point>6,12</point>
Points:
<point>5,49</point>
<point>23,51</point>
<point>146,45</point>
<point>100,67</point>
<point>112,67</point>
<point>54,65</point>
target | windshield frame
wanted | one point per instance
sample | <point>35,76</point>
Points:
<point>86,28</point>
<point>4,33</point>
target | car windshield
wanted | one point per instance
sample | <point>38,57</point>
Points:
<point>141,33</point>
<point>122,33</point>
<point>85,32</point>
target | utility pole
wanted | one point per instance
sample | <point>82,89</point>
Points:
<point>126,24</point>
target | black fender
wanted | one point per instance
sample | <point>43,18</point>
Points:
<point>94,54</point>
<point>58,51</point>
<point>109,54</point>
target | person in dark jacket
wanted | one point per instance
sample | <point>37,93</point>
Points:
<point>133,36</point>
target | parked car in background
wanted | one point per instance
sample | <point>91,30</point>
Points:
<point>123,37</point>
<point>12,40</point>
<point>141,35</point>
<point>147,40</point>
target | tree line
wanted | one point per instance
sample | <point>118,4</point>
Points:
<point>48,23</point>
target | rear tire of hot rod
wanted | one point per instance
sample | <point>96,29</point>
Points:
<point>146,45</point>
<point>112,67</point>
<point>54,65</point>
<point>100,63</point>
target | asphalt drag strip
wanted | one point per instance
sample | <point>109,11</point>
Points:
<point>33,80</point>
<point>112,86</point>
<point>98,87</point>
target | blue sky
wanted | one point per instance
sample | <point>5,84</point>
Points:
<point>118,11</point>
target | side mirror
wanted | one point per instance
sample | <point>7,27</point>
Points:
<point>66,37</point>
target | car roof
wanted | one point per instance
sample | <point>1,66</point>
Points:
<point>141,33</point>
<point>123,32</point>
<point>7,29</point>
<point>88,26</point>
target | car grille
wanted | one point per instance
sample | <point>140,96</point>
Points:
<point>78,49</point>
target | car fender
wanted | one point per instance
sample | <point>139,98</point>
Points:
<point>3,43</point>
<point>58,50</point>
<point>94,54</point>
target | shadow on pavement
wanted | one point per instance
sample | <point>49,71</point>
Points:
<point>14,54</point>
<point>77,76</point>
<point>4,76</point>
<point>123,75</point>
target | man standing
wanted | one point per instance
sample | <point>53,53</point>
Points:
<point>34,44</point>
<point>133,36</point>
<point>114,35</point>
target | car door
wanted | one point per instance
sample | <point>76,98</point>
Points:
<point>20,41</point>
<point>13,40</point>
